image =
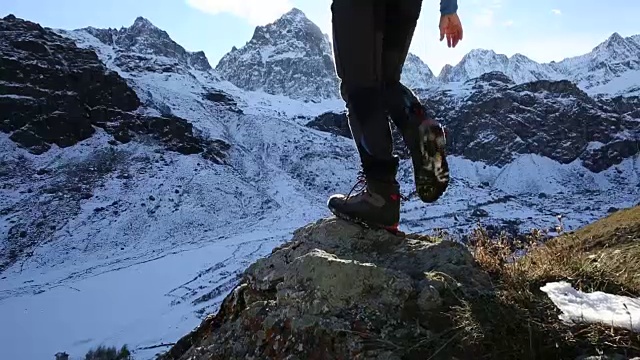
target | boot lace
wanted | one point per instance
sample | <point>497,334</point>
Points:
<point>360,185</point>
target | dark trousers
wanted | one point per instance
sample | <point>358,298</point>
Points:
<point>371,40</point>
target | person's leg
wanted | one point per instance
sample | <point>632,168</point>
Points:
<point>424,137</point>
<point>357,38</point>
<point>401,18</point>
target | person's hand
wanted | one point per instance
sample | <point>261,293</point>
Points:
<point>451,27</point>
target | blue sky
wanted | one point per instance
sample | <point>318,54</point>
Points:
<point>543,30</point>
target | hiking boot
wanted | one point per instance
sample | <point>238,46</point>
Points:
<point>376,204</point>
<point>426,140</point>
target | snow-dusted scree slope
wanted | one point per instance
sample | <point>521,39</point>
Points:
<point>158,198</point>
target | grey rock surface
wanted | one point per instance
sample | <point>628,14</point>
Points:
<point>333,289</point>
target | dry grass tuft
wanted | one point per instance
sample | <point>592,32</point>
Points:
<point>519,321</point>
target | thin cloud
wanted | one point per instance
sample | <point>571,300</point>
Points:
<point>484,19</point>
<point>508,23</point>
<point>256,12</point>
<point>496,4</point>
<point>556,11</point>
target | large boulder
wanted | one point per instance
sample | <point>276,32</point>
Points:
<point>338,291</point>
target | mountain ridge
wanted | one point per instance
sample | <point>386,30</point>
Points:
<point>606,62</point>
<point>301,66</point>
<point>145,45</point>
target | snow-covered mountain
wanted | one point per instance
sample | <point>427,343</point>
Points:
<point>612,67</point>
<point>290,56</point>
<point>143,46</point>
<point>179,178</point>
<point>415,73</point>
<point>479,61</point>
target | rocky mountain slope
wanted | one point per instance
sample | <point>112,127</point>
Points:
<point>612,67</point>
<point>415,73</point>
<point>53,93</point>
<point>493,120</point>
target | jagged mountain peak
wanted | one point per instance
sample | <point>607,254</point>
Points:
<point>294,21</point>
<point>294,14</point>
<point>479,52</point>
<point>145,47</point>
<point>415,73</point>
<point>473,64</point>
<point>293,25</point>
<point>615,37</point>
<point>290,56</point>
<point>142,22</point>
<point>616,45</point>
<point>608,62</point>
<point>445,71</point>
<point>520,57</point>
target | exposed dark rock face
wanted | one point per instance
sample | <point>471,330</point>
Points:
<point>48,87</point>
<point>224,99</point>
<point>498,120</point>
<point>52,92</point>
<point>554,119</point>
<point>331,122</point>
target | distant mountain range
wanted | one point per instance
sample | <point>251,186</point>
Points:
<point>292,57</point>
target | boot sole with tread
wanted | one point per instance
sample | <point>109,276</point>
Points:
<point>368,225</point>
<point>431,170</point>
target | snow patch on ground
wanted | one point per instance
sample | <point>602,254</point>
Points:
<point>595,307</point>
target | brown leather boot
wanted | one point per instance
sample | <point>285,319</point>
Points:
<point>376,204</point>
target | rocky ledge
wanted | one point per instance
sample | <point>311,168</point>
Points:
<point>53,92</point>
<point>338,291</point>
